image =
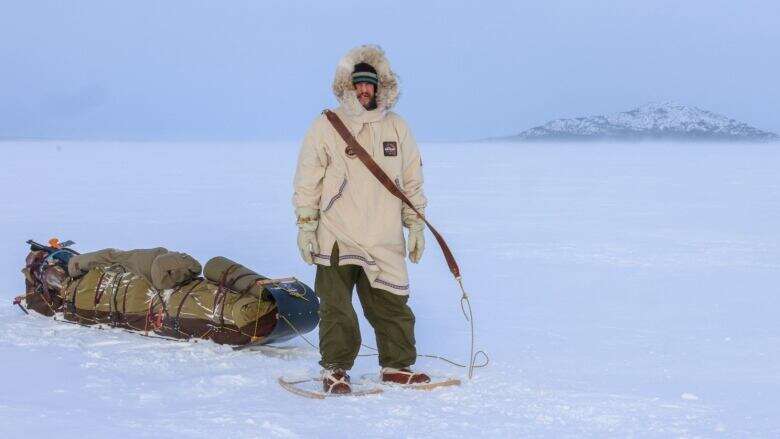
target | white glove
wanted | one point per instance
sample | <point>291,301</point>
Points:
<point>307,244</point>
<point>416,242</point>
<point>308,219</point>
<point>416,245</point>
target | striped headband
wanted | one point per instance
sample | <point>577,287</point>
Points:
<point>365,77</point>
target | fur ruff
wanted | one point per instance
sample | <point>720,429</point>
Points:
<point>387,92</point>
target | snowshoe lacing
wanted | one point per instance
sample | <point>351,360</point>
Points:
<point>336,378</point>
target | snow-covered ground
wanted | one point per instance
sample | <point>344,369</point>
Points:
<point>620,290</point>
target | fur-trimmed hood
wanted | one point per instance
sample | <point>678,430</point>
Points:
<point>387,92</point>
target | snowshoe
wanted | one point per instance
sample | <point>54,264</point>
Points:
<point>406,379</point>
<point>310,388</point>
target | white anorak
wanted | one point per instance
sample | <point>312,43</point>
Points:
<point>356,211</point>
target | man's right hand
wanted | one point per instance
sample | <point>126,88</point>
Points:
<point>307,244</point>
<point>308,219</point>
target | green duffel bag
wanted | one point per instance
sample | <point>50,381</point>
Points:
<point>162,268</point>
<point>110,294</point>
<point>235,276</point>
<point>204,309</point>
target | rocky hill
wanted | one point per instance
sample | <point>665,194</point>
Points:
<point>661,121</point>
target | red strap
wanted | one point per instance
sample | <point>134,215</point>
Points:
<point>380,175</point>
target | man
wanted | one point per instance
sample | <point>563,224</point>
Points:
<point>352,227</point>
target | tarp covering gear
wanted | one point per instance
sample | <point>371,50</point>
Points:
<point>158,291</point>
<point>162,268</point>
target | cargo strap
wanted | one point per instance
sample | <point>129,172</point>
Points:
<point>177,319</point>
<point>98,291</point>
<point>124,298</point>
<point>116,314</point>
<point>222,295</point>
<point>380,175</point>
<point>71,304</point>
<point>38,267</point>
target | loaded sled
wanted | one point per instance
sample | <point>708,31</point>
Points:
<point>166,293</point>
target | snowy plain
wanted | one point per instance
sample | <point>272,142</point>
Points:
<point>621,290</point>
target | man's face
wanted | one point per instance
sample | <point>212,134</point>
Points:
<point>365,94</point>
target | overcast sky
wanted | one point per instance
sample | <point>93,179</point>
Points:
<point>262,69</point>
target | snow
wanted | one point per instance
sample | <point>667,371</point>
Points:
<point>620,289</point>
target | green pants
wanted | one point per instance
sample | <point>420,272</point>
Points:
<point>388,313</point>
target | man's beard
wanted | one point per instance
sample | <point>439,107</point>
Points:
<point>371,104</point>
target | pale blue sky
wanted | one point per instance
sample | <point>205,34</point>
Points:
<point>262,69</point>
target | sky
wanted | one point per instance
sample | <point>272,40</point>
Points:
<point>261,70</point>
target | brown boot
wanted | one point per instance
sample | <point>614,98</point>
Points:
<point>336,381</point>
<point>403,376</point>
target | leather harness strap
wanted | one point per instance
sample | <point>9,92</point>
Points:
<point>380,175</point>
<point>222,294</point>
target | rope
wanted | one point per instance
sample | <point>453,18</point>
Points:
<point>98,324</point>
<point>471,365</point>
<point>470,318</point>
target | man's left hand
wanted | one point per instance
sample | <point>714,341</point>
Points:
<point>416,244</point>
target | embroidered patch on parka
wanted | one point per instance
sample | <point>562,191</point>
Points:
<point>390,148</point>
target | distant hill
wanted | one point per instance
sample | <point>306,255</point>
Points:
<point>654,121</point>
